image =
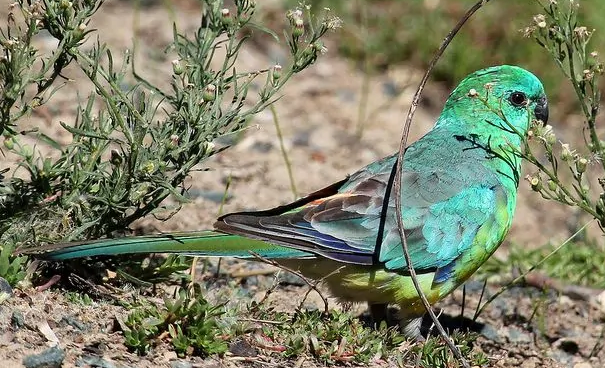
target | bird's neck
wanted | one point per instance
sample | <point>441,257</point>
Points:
<point>500,144</point>
<point>495,150</point>
<point>502,155</point>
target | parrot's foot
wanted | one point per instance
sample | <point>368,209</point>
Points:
<point>410,327</point>
<point>382,313</point>
<point>379,313</point>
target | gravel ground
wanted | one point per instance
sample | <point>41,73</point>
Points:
<point>318,113</point>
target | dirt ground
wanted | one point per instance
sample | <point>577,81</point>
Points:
<point>318,113</point>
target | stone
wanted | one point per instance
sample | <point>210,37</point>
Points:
<point>49,358</point>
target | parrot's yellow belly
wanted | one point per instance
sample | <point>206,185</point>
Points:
<point>353,283</point>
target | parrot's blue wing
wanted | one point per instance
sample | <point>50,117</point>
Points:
<point>442,214</point>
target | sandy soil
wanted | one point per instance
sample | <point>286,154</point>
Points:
<point>318,113</point>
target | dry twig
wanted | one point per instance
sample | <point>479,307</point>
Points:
<point>542,281</point>
<point>312,284</point>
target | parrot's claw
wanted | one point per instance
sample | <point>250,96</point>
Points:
<point>378,313</point>
<point>411,328</point>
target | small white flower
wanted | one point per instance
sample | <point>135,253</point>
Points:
<point>540,20</point>
<point>566,153</point>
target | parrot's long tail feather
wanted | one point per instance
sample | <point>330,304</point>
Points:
<point>198,243</point>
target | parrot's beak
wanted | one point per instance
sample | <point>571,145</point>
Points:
<point>541,110</point>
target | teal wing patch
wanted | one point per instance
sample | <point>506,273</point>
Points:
<point>439,233</point>
<point>445,201</point>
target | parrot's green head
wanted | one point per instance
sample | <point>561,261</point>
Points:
<point>496,98</point>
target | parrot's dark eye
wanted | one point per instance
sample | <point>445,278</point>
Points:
<point>518,99</point>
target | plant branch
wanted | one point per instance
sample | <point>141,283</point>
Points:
<point>312,284</point>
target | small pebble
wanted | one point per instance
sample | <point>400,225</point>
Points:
<point>531,362</point>
<point>74,322</point>
<point>262,147</point>
<point>489,332</point>
<point>97,362</point>
<point>242,348</point>
<point>582,365</point>
<point>390,89</point>
<point>288,278</point>
<point>561,357</point>
<point>567,332</point>
<point>302,139</point>
<point>49,358</point>
<point>499,307</point>
<point>517,336</point>
<point>170,355</point>
<point>473,286</point>
<point>180,364</point>
<point>346,95</point>
<point>17,319</point>
<point>5,287</point>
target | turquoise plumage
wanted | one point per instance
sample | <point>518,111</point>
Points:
<point>459,189</point>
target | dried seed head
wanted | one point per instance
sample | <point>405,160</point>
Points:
<point>173,141</point>
<point>319,47</point>
<point>226,17</point>
<point>548,135</point>
<point>333,23</point>
<point>528,31</point>
<point>9,143</point>
<point>177,68</point>
<point>148,167</point>
<point>276,72</point>
<point>540,20</point>
<point>292,15</point>
<point>65,4</point>
<point>566,153</point>
<point>535,182</point>
<point>209,93</point>
<point>209,147</point>
<point>27,151</point>
<point>581,32</point>
<point>581,164</point>
<point>299,28</point>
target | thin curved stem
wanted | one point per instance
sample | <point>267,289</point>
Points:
<point>397,183</point>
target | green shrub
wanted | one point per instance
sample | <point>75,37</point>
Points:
<point>133,143</point>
